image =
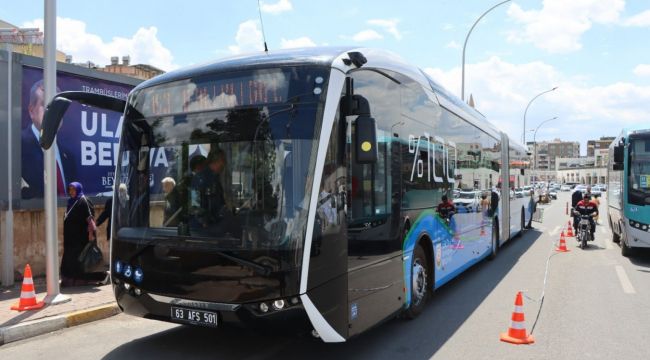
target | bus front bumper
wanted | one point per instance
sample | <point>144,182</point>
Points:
<point>637,237</point>
<point>138,302</point>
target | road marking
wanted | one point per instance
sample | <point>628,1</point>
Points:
<point>555,231</point>
<point>624,280</point>
<point>606,240</point>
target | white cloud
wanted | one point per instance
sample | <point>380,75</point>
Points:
<point>389,25</point>
<point>584,111</point>
<point>560,24</point>
<point>249,38</point>
<point>143,47</point>
<point>303,41</point>
<point>453,45</point>
<point>642,70</point>
<point>447,27</point>
<point>364,35</point>
<point>640,19</point>
<point>277,8</point>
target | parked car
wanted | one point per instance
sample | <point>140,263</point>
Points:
<point>595,191</point>
<point>519,192</point>
<point>467,201</point>
<point>583,189</point>
<point>552,194</point>
<point>565,188</point>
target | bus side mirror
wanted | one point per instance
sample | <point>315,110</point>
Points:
<point>619,154</point>
<point>365,140</point>
<point>52,120</point>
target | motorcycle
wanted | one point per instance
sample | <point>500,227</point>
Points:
<point>584,230</point>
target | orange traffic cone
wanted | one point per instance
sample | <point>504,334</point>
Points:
<point>27,294</point>
<point>562,247</point>
<point>569,232</point>
<point>517,331</point>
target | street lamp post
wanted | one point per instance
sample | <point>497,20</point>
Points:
<point>49,164</point>
<point>462,86</point>
<point>523,134</point>
<point>535,141</point>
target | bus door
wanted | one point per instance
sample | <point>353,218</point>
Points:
<point>375,274</point>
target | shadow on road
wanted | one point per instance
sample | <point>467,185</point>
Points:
<point>640,257</point>
<point>396,339</point>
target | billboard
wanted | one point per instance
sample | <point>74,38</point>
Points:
<point>87,143</point>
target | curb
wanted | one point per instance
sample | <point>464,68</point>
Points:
<point>34,328</point>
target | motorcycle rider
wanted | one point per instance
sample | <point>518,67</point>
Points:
<point>576,197</point>
<point>586,206</point>
<point>446,209</point>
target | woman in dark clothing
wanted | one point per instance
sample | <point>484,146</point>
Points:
<point>76,234</point>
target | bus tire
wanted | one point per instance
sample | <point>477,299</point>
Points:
<point>626,251</point>
<point>420,287</point>
<point>495,241</point>
<point>615,237</point>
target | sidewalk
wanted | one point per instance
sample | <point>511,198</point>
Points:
<point>88,303</point>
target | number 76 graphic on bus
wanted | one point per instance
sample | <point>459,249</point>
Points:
<point>428,147</point>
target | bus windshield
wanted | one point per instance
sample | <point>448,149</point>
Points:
<point>639,171</point>
<point>222,164</point>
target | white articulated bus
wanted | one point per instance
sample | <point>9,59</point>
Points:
<point>307,191</point>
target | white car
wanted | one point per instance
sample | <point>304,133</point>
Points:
<point>467,201</point>
<point>565,188</point>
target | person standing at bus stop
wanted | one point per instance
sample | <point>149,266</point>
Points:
<point>78,230</point>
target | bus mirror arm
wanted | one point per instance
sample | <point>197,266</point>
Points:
<point>57,107</point>
<point>52,120</point>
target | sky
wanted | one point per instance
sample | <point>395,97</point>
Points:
<point>595,51</point>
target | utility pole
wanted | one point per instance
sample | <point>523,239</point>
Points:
<point>49,177</point>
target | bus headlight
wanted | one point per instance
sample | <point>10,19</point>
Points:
<point>264,308</point>
<point>278,304</point>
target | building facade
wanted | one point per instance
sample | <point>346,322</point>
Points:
<point>545,153</point>
<point>585,169</point>
<point>140,71</point>
<point>27,41</point>
<point>600,144</point>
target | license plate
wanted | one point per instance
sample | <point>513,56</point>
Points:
<point>194,317</point>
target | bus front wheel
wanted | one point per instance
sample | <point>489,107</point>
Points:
<point>625,249</point>
<point>419,283</point>
<point>615,237</point>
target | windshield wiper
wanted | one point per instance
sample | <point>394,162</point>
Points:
<point>263,270</point>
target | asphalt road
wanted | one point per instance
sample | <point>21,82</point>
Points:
<point>596,307</point>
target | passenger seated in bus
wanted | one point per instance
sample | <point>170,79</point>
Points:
<point>172,202</point>
<point>446,208</point>
<point>208,201</point>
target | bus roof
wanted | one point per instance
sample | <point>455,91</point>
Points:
<point>304,56</point>
<point>327,56</point>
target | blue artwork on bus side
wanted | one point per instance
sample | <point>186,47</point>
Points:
<point>457,244</point>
